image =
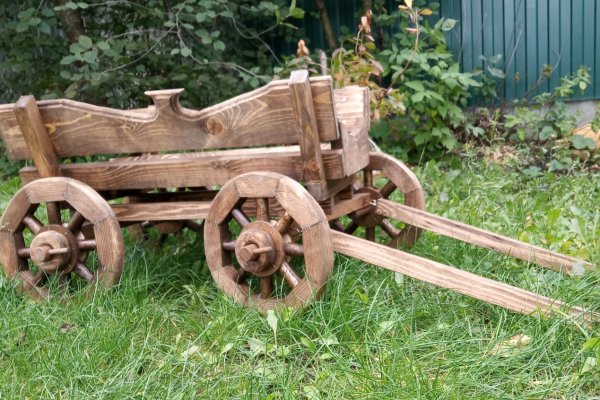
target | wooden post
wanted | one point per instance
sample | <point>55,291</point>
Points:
<point>36,136</point>
<point>310,145</point>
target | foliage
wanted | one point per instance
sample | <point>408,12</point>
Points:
<point>129,47</point>
<point>417,89</point>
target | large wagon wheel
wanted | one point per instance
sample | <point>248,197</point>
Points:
<point>397,178</point>
<point>254,259</point>
<point>39,245</point>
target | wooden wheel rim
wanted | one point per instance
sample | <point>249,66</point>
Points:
<point>404,180</point>
<point>83,199</point>
<point>305,211</point>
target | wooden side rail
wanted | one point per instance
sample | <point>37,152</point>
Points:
<point>264,116</point>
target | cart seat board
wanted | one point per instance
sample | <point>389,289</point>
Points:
<point>262,117</point>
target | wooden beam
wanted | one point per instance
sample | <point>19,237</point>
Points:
<point>490,291</point>
<point>482,238</point>
<point>40,147</point>
<point>161,211</point>
<point>189,169</point>
<point>308,131</point>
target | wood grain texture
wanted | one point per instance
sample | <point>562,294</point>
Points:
<point>463,282</point>
<point>308,134</point>
<point>36,137</point>
<point>167,211</point>
<point>262,117</point>
<point>353,114</point>
<point>483,238</point>
<point>188,170</point>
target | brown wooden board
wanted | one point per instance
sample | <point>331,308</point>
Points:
<point>185,170</point>
<point>262,117</point>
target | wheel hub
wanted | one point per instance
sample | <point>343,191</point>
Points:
<point>54,249</point>
<point>259,249</point>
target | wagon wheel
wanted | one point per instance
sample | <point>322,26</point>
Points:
<point>53,246</point>
<point>254,259</point>
<point>397,180</point>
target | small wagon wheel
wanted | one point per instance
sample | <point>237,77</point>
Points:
<point>51,244</point>
<point>397,180</point>
<point>254,258</point>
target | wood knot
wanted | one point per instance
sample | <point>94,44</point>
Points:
<point>215,126</point>
<point>313,165</point>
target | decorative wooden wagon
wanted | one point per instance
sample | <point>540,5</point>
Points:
<point>270,230</point>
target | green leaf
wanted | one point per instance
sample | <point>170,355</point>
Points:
<point>90,56</point>
<point>547,132</point>
<point>103,45</point>
<point>82,5</point>
<point>448,24</point>
<point>186,52</point>
<point>68,60</point>
<point>272,320</point>
<point>219,45</point>
<point>581,142</point>
<point>417,97</point>
<point>496,72</point>
<point>85,42</point>
<point>415,85</point>
<point>297,13</point>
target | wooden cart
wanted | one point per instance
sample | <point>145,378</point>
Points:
<point>270,230</point>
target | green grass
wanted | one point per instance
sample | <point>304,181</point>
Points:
<point>167,332</point>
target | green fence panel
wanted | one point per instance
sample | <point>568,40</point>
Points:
<point>532,36</point>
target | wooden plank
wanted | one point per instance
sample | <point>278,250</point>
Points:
<point>168,211</point>
<point>188,170</point>
<point>261,117</point>
<point>482,238</point>
<point>306,122</point>
<point>36,137</point>
<point>463,282</point>
<point>353,113</point>
<point>345,207</point>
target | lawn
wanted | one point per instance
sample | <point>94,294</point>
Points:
<point>167,332</point>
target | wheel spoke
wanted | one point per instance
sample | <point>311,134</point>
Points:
<point>240,217</point>
<point>262,209</point>
<point>370,234</point>
<point>84,272</point>
<point>241,276</point>
<point>368,178</point>
<point>32,223</point>
<point>266,287</point>
<point>289,275</point>
<point>24,252</point>
<point>293,249</point>
<point>228,245</point>
<point>387,189</point>
<point>284,223</point>
<point>53,211</point>
<point>390,229</point>
<point>351,228</point>
<point>86,244</point>
<point>75,222</point>
<point>196,227</point>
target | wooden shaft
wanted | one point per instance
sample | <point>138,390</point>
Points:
<point>482,238</point>
<point>445,276</point>
<point>35,135</point>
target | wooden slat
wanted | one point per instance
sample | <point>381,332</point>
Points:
<point>188,170</point>
<point>308,133</point>
<point>262,117</point>
<point>345,207</point>
<point>353,113</point>
<point>161,211</point>
<point>445,276</point>
<point>483,238</point>
<point>35,136</point>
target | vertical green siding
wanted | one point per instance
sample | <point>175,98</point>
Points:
<point>529,34</point>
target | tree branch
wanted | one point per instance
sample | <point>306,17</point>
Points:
<point>326,23</point>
